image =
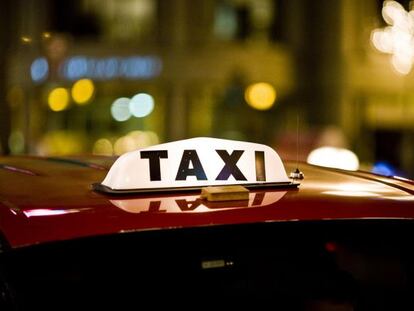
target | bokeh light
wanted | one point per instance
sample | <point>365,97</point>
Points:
<point>120,109</point>
<point>152,138</point>
<point>26,39</point>
<point>61,143</point>
<point>393,12</point>
<point>82,91</point>
<point>382,39</point>
<point>124,144</point>
<point>135,140</point>
<point>396,39</point>
<point>383,168</point>
<point>260,96</point>
<point>401,64</point>
<point>46,35</point>
<point>16,142</point>
<point>334,157</point>
<point>141,105</point>
<point>144,139</point>
<point>140,138</point>
<point>58,99</point>
<point>103,146</point>
<point>133,67</point>
<point>39,69</point>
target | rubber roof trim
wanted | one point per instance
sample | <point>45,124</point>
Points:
<point>76,162</point>
<point>377,178</point>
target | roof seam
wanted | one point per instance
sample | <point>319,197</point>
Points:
<point>20,170</point>
<point>76,162</point>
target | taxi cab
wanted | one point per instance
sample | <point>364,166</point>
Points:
<point>202,223</point>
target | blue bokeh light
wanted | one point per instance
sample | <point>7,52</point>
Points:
<point>75,68</point>
<point>383,168</point>
<point>39,70</point>
<point>133,67</point>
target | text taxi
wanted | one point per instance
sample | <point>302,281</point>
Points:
<point>202,223</point>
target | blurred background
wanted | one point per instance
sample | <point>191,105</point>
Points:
<point>106,77</point>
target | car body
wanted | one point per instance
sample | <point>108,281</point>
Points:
<point>341,239</point>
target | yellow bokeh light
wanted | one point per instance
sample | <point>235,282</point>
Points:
<point>260,96</point>
<point>82,91</point>
<point>58,99</point>
<point>103,146</point>
<point>124,144</point>
<point>46,35</point>
<point>144,139</point>
<point>26,39</point>
<point>61,143</point>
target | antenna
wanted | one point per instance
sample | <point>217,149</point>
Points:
<point>297,139</point>
<point>297,174</point>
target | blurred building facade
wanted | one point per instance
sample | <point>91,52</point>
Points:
<point>191,64</point>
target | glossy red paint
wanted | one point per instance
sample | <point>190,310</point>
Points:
<point>50,199</point>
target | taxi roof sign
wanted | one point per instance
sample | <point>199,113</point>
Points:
<point>194,163</point>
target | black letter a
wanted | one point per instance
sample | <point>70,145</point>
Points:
<point>184,170</point>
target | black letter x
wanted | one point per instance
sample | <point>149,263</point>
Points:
<point>230,165</point>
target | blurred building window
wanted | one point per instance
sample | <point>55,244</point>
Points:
<point>70,16</point>
<point>111,20</point>
<point>225,21</point>
<point>388,143</point>
<point>125,20</point>
<point>245,19</point>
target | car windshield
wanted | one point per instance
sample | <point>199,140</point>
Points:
<point>316,80</point>
<point>324,265</point>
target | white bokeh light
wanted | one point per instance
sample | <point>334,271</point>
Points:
<point>334,157</point>
<point>397,38</point>
<point>141,105</point>
<point>120,109</point>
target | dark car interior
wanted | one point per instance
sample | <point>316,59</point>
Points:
<point>314,265</point>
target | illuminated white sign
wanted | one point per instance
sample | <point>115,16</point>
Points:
<point>194,163</point>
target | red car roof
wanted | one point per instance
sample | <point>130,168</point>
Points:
<point>51,199</point>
